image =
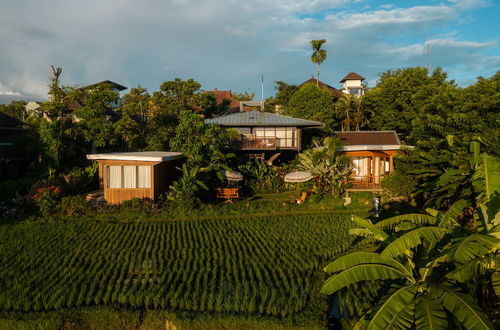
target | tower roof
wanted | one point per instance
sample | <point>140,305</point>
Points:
<point>352,76</point>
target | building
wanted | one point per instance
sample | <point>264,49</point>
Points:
<point>265,133</point>
<point>335,92</point>
<point>372,153</point>
<point>352,84</point>
<point>127,175</point>
<point>111,115</point>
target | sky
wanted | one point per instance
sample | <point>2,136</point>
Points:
<point>231,44</point>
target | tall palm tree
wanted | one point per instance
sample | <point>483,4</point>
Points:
<point>318,55</point>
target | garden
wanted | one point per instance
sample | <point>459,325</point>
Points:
<point>428,258</point>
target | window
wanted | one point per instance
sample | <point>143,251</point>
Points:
<point>114,177</point>
<point>129,177</point>
<point>355,91</point>
<point>144,177</point>
<point>286,137</point>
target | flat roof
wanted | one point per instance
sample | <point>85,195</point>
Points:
<point>144,156</point>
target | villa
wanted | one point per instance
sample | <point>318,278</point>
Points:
<point>127,175</point>
<point>265,134</point>
<point>372,153</point>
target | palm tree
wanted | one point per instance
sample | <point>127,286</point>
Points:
<point>428,273</point>
<point>346,109</point>
<point>318,55</point>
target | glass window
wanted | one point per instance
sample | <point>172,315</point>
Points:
<point>144,177</point>
<point>114,176</point>
<point>129,176</point>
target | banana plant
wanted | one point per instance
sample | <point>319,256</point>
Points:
<point>425,259</point>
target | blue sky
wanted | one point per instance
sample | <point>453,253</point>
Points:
<point>229,44</point>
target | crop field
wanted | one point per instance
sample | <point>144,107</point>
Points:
<point>260,266</point>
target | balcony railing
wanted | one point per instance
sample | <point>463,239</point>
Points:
<point>248,143</point>
<point>366,182</point>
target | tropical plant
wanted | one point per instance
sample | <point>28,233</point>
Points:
<point>457,174</point>
<point>425,265</point>
<point>318,55</point>
<point>327,164</point>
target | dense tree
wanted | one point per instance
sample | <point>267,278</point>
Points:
<point>314,103</point>
<point>351,112</point>
<point>93,124</point>
<point>197,140</point>
<point>14,109</point>
<point>318,55</point>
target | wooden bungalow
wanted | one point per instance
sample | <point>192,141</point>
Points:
<point>265,133</point>
<point>372,153</point>
<point>127,175</point>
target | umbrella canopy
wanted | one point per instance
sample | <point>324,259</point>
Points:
<point>298,177</point>
<point>233,175</point>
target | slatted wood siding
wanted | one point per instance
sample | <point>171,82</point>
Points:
<point>162,176</point>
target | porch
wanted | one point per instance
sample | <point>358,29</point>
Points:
<point>369,169</point>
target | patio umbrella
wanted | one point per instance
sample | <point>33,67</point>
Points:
<point>233,176</point>
<point>298,177</point>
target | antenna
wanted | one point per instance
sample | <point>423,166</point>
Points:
<point>262,92</point>
<point>262,87</point>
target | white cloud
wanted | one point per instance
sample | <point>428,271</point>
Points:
<point>394,17</point>
<point>4,90</point>
<point>222,43</point>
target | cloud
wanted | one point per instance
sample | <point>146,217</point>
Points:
<point>7,92</point>
<point>396,16</point>
<point>227,44</point>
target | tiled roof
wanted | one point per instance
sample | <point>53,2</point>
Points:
<point>259,118</point>
<point>220,96</point>
<point>352,76</point>
<point>356,138</point>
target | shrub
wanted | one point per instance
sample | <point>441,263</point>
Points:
<point>138,204</point>
<point>397,184</point>
<point>47,198</point>
<point>72,205</point>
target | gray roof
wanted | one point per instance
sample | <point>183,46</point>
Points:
<point>258,118</point>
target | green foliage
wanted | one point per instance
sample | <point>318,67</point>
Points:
<point>261,178</point>
<point>47,199</point>
<point>94,125</point>
<point>318,55</point>
<point>14,109</point>
<point>184,191</point>
<point>416,261</point>
<point>284,93</point>
<point>261,266</point>
<point>73,205</point>
<point>312,102</point>
<point>197,140</point>
<point>352,113</point>
<point>327,164</point>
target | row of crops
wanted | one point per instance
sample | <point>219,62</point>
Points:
<point>266,266</point>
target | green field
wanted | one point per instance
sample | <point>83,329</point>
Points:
<point>261,266</point>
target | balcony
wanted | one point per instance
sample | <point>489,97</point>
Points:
<point>253,143</point>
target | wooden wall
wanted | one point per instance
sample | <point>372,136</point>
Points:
<point>162,176</point>
<point>165,174</point>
